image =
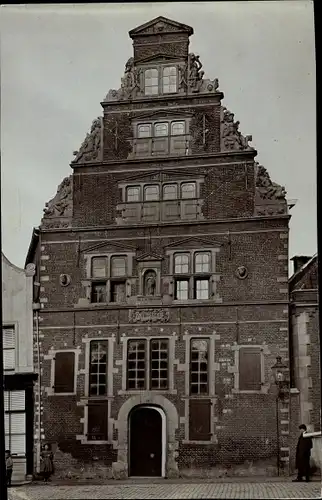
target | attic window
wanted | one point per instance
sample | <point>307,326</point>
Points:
<point>161,80</point>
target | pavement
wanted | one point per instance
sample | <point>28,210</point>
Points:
<point>168,490</point>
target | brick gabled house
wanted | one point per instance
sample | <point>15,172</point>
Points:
<point>162,276</point>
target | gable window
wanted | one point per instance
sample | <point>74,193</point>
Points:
<point>97,422</point>
<point>170,192</point>
<point>64,381</point>
<point>151,193</point>
<point>98,368</point>
<point>188,190</point>
<point>151,81</point>
<point>166,137</point>
<point>98,292</point>
<point>15,422</point>
<point>9,347</point>
<point>133,193</point>
<point>202,262</point>
<point>99,267</point>
<point>177,128</point>
<point>147,364</point>
<point>182,289</point>
<point>181,263</point>
<point>118,266</point>
<point>199,353</point>
<point>169,80</point>
<point>161,129</point>
<point>197,284</point>
<point>250,369</point>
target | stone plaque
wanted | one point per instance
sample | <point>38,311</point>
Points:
<point>148,315</point>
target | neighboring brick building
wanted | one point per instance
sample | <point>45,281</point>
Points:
<point>163,270</point>
<point>19,376</point>
<point>306,339</point>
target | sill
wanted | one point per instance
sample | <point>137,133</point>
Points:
<point>85,441</point>
<point>237,391</point>
<point>188,441</point>
<point>152,392</point>
<point>61,394</point>
<point>95,398</point>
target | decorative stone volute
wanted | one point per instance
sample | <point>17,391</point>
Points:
<point>61,206</point>
<point>269,196</point>
<point>91,148</point>
<point>231,139</point>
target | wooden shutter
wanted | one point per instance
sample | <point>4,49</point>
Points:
<point>97,421</point>
<point>64,372</point>
<point>199,420</point>
<point>250,372</point>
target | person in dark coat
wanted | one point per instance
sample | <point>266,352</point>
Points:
<point>47,464</point>
<point>303,455</point>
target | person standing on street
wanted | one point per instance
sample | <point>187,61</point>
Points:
<point>303,455</point>
<point>9,467</point>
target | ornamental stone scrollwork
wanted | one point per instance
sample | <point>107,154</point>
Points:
<point>267,189</point>
<point>62,204</point>
<point>231,138</point>
<point>130,83</point>
<point>91,147</point>
<point>191,77</point>
<point>30,270</point>
<point>149,315</point>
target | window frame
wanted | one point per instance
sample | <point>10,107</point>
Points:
<point>164,186</point>
<point>160,68</point>
<point>52,356</point>
<point>146,187</point>
<point>148,364</point>
<point>182,254</point>
<point>162,77</point>
<point>151,388</point>
<point>264,385</point>
<point>12,349</point>
<point>182,184</point>
<point>116,276</point>
<point>91,404</point>
<point>9,412</point>
<point>193,394</point>
<point>139,193</point>
<point>152,94</point>
<point>106,343</point>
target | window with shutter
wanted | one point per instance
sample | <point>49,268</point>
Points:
<point>250,369</point>
<point>199,420</point>
<point>64,372</point>
<point>98,368</point>
<point>15,422</point>
<point>97,422</point>
<point>9,347</point>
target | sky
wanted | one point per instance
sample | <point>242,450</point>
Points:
<point>58,62</point>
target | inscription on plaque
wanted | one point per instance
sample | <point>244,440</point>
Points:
<point>149,315</point>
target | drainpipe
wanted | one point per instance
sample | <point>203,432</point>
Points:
<point>36,307</point>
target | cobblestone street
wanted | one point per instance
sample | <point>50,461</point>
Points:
<point>168,491</point>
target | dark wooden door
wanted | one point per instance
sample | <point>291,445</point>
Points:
<point>145,428</point>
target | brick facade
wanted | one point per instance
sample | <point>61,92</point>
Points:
<point>237,219</point>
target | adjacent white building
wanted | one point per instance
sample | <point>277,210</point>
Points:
<point>17,332</point>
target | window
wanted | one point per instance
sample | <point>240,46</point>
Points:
<point>202,289</point>
<point>161,129</point>
<point>98,292</point>
<point>182,290</point>
<point>118,266</point>
<point>188,190</point>
<point>98,267</point>
<point>118,293</point>
<point>136,364</point>
<point>250,369</point>
<point>147,368</point>
<point>15,422</point>
<point>64,381</point>
<point>151,193</point>
<point>133,194</point>
<point>170,192</point>
<point>177,128</point>
<point>159,364</point>
<point>9,347</point>
<point>202,262</point>
<point>199,420</point>
<point>98,368</point>
<point>144,130</point>
<point>97,422</point>
<point>169,80</point>
<point>181,263</point>
<point>151,82</point>
<point>199,366</point>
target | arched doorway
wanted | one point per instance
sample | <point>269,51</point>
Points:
<point>146,442</point>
